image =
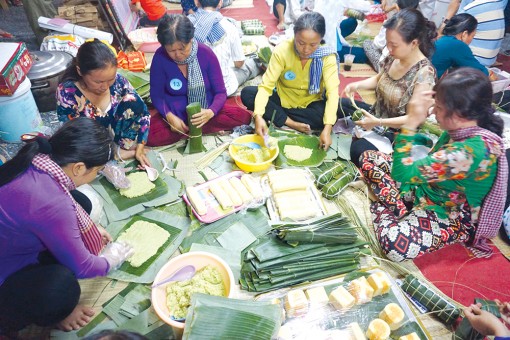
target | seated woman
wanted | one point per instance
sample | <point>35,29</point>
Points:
<point>92,88</point>
<point>376,49</point>
<point>424,204</point>
<point>49,241</point>
<point>185,71</point>
<point>452,50</point>
<point>305,75</point>
<point>405,72</point>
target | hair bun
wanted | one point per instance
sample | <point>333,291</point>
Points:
<point>44,145</point>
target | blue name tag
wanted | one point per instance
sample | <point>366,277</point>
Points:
<point>289,75</point>
<point>175,84</point>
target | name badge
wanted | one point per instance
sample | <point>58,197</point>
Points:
<point>289,75</point>
<point>175,84</point>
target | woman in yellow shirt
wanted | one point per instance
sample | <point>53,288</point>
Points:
<point>300,83</point>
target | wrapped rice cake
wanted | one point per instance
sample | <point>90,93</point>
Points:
<point>341,299</point>
<point>221,196</point>
<point>355,332</point>
<point>380,282</point>
<point>393,315</point>
<point>295,205</point>
<point>196,201</point>
<point>253,186</point>
<point>242,191</point>
<point>146,238</point>
<point>412,336</point>
<point>361,290</point>
<point>288,179</point>
<point>231,192</point>
<point>378,330</point>
<point>296,303</point>
<point>140,185</point>
<point>317,296</point>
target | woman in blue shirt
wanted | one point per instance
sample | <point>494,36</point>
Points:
<point>452,50</point>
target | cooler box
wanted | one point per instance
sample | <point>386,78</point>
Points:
<point>15,62</point>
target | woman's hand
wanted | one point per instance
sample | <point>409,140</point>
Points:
<point>484,322</point>
<point>351,89</point>
<point>260,125</point>
<point>141,156</point>
<point>105,236</point>
<point>418,109</point>
<point>201,118</point>
<point>368,122</point>
<point>325,137</point>
<point>176,123</point>
<point>504,309</point>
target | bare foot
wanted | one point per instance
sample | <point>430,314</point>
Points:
<point>301,127</point>
<point>281,26</point>
<point>80,316</point>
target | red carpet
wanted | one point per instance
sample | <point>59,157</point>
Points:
<point>463,277</point>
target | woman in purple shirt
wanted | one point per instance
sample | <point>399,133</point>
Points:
<point>184,71</point>
<point>47,239</point>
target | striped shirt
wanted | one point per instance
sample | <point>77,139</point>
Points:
<point>491,27</point>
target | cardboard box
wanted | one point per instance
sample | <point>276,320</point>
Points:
<point>15,62</point>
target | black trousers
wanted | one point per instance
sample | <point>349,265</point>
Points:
<point>312,115</point>
<point>43,294</point>
<point>281,2</point>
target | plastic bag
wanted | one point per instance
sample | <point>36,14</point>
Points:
<point>116,253</point>
<point>116,175</point>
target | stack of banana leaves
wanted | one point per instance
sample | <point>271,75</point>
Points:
<point>140,82</point>
<point>273,263</point>
<point>332,229</point>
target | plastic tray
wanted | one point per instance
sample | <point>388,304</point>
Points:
<point>323,321</point>
<point>214,210</point>
<point>503,80</point>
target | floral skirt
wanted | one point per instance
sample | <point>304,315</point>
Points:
<point>405,232</point>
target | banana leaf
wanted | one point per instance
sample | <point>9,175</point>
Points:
<point>122,203</point>
<point>332,229</point>
<point>177,226</point>
<point>311,142</point>
<point>145,323</point>
<point>140,82</point>
<point>254,220</point>
<point>173,189</point>
<point>466,332</point>
<point>213,317</point>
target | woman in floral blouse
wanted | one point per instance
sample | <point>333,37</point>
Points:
<point>455,193</point>
<point>405,72</point>
<point>92,88</point>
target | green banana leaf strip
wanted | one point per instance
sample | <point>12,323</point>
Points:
<point>174,232</point>
<point>301,254</point>
<point>255,221</point>
<point>237,320</point>
<point>343,254</point>
<point>312,277</point>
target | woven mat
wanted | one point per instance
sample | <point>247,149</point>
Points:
<point>502,246</point>
<point>358,71</point>
<point>235,4</point>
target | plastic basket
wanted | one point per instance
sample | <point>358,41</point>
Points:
<point>503,80</point>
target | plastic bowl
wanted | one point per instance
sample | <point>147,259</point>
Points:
<point>252,167</point>
<point>199,259</point>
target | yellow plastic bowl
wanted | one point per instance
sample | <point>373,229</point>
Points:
<point>199,259</point>
<point>252,167</point>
